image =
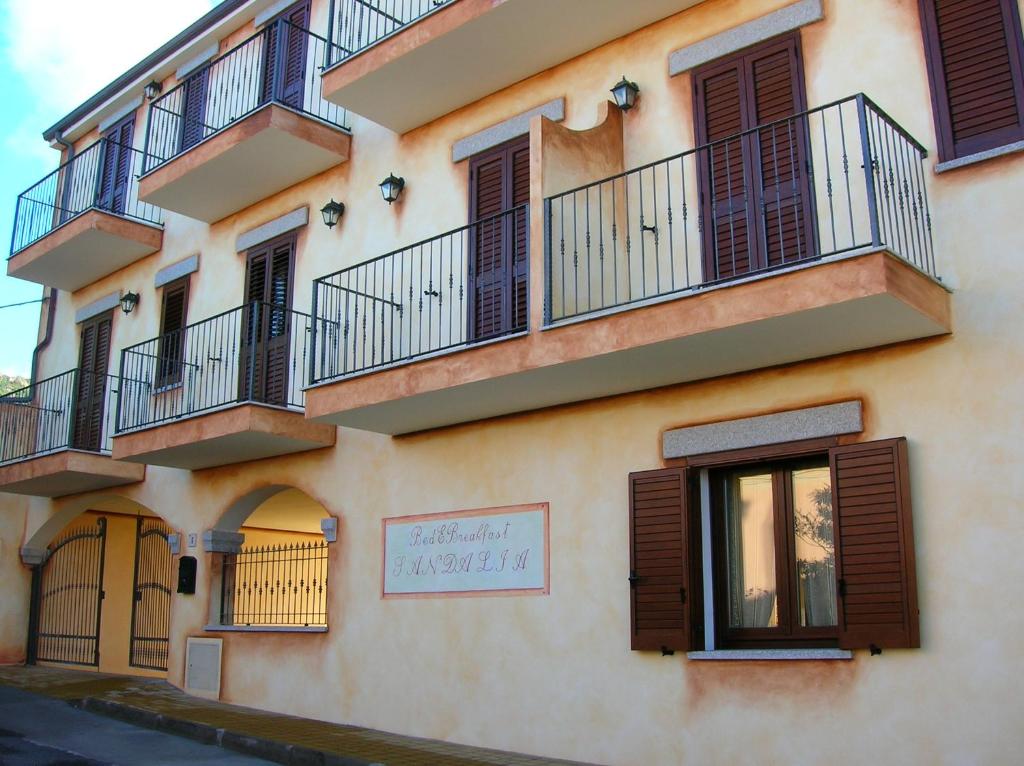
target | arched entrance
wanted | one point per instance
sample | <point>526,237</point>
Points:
<point>101,588</point>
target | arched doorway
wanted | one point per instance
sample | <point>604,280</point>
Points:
<point>271,566</point>
<point>101,588</point>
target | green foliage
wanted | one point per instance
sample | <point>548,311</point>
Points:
<point>9,383</point>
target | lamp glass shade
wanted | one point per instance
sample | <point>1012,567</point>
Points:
<point>129,301</point>
<point>153,89</point>
<point>625,93</point>
<point>391,188</point>
<point>332,213</point>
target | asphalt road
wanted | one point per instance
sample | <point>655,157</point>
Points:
<point>38,731</point>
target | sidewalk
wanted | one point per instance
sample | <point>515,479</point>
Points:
<point>274,737</point>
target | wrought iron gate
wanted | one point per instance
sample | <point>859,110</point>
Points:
<point>151,599</point>
<point>67,596</point>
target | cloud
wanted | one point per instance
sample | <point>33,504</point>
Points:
<point>67,50</point>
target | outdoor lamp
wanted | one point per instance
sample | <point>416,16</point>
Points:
<point>129,301</point>
<point>332,212</point>
<point>152,89</point>
<point>625,93</point>
<point>391,187</point>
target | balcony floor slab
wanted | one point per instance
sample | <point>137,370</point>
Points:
<point>85,249</point>
<point>233,435</point>
<point>257,157</point>
<point>817,310</point>
<point>67,473</point>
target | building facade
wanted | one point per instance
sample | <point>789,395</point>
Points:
<point>395,372</point>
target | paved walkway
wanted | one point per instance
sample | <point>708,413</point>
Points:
<point>274,737</point>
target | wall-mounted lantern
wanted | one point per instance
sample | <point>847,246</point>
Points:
<point>129,301</point>
<point>625,93</point>
<point>391,187</point>
<point>332,213</point>
<point>152,90</point>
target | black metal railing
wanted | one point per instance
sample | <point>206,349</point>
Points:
<point>256,353</point>
<point>73,410</point>
<point>464,286</point>
<point>103,176</point>
<point>358,24</point>
<point>275,585</point>
<point>281,64</point>
<point>831,180</point>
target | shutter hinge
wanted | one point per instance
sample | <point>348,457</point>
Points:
<point>874,649</point>
<point>842,587</point>
<point>666,652</point>
<point>103,595</point>
<point>682,595</point>
<point>633,579</point>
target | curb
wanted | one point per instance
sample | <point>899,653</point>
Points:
<point>257,747</point>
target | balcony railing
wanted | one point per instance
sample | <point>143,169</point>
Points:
<point>831,180</point>
<point>102,177</point>
<point>362,23</point>
<point>465,286</point>
<point>281,64</point>
<point>256,353</point>
<point>73,410</point>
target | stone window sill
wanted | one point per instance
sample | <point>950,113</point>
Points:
<point>772,654</point>
<point>974,159</point>
<point>265,628</point>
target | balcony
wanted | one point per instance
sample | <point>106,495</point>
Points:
<point>246,126</point>
<point>800,239</point>
<point>225,390</point>
<point>403,64</point>
<point>84,220</point>
<point>55,437</point>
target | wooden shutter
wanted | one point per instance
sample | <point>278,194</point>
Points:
<point>193,108</point>
<point>754,187</point>
<point>267,322</point>
<point>499,264</point>
<point>293,61</point>
<point>975,57</point>
<point>115,174</point>
<point>875,546</point>
<point>172,334</point>
<point>90,393</point>
<point>660,560</point>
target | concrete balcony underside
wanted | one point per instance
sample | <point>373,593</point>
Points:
<point>85,249</point>
<point>472,48</point>
<point>67,472</point>
<point>267,152</point>
<point>234,435</point>
<point>817,310</point>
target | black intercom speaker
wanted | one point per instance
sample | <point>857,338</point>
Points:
<point>187,574</point>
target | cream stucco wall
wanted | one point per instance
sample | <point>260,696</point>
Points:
<point>554,675</point>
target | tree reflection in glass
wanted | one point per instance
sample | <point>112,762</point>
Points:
<point>815,547</point>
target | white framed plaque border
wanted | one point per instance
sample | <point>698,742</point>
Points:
<point>503,510</point>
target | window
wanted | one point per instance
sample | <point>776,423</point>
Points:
<point>171,347</point>
<point>975,54</point>
<point>774,554</point>
<point>794,546</point>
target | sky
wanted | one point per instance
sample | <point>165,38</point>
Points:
<point>53,56</point>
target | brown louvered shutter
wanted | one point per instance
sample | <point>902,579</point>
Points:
<point>293,60</point>
<point>781,200</point>
<point>875,562</point>
<point>193,108</point>
<point>721,102</point>
<point>659,560</point>
<point>267,321</point>
<point>172,334</point>
<point>90,393</point>
<point>116,171</point>
<point>499,180</point>
<point>975,56</point>
<point>754,190</point>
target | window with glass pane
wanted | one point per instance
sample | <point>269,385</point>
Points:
<point>775,553</point>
